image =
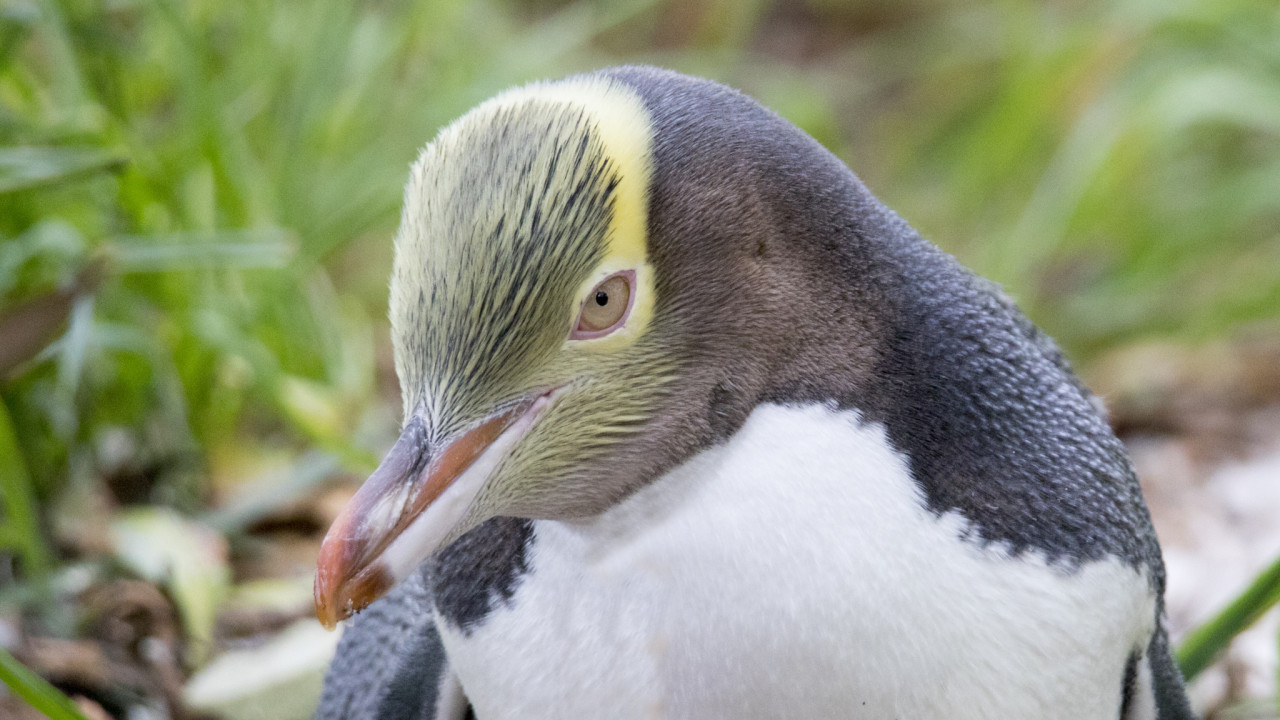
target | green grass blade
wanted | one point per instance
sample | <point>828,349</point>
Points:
<point>36,690</point>
<point>18,506</point>
<point>24,168</point>
<point>1205,642</point>
<point>257,248</point>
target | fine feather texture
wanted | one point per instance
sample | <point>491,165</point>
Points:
<point>499,226</point>
<point>826,466</point>
<point>396,660</point>
<point>836,593</point>
<point>511,215</point>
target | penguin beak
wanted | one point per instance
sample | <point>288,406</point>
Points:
<point>410,506</point>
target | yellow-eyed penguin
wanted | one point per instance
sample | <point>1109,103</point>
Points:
<point>695,427</point>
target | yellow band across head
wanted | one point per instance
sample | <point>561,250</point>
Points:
<point>513,213</point>
<point>623,126</point>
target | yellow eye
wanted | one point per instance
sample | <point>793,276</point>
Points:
<point>606,307</point>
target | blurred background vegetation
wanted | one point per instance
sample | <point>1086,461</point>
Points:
<point>196,206</point>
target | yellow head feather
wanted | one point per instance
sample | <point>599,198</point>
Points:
<point>512,215</point>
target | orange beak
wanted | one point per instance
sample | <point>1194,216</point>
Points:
<point>408,508</point>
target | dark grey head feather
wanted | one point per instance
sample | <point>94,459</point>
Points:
<point>784,280</point>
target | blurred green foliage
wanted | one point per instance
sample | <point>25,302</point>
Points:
<point>234,170</point>
<point>35,690</point>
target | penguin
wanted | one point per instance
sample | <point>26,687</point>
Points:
<point>696,427</point>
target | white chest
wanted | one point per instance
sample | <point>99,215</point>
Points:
<point>794,572</point>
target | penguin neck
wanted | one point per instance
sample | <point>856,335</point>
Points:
<point>983,404</point>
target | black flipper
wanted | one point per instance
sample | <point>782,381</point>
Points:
<point>390,663</point>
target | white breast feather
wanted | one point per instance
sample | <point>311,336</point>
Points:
<point>795,572</point>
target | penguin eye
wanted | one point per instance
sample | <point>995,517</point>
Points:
<point>606,307</point>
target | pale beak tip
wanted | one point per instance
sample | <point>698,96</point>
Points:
<point>326,609</point>
<point>335,603</point>
<point>351,571</point>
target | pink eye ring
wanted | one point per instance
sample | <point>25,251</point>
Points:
<point>607,307</point>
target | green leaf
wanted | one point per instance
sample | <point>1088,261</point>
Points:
<point>258,248</point>
<point>17,509</point>
<point>24,168</point>
<point>36,690</point>
<point>1204,643</point>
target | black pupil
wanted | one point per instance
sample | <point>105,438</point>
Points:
<point>602,298</point>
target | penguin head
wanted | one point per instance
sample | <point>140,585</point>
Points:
<point>571,319</point>
<point>522,296</point>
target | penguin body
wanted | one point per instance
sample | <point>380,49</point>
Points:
<point>839,476</point>
<point>865,605</point>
